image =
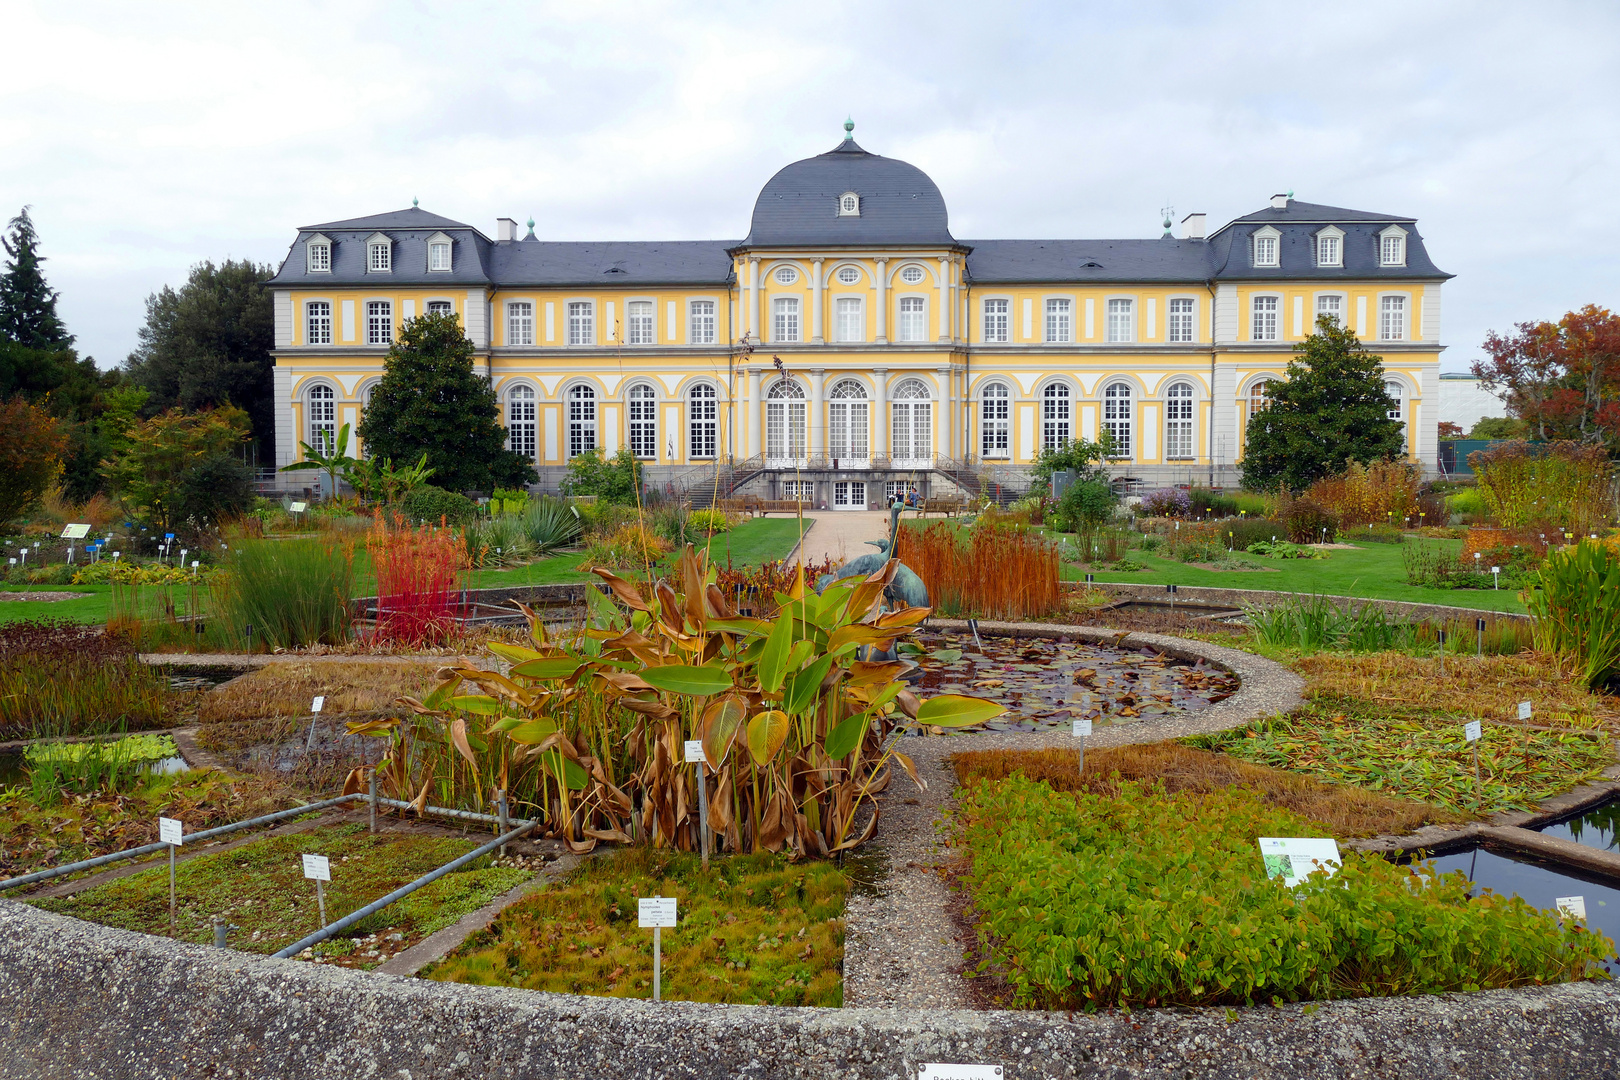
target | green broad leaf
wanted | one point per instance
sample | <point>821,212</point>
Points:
<point>688,679</point>
<point>773,661</point>
<point>766,734</point>
<point>532,732</point>
<point>550,667</point>
<point>946,656</point>
<point>886,695</point>
<point>958,710</point>
<point>517,654</point>
<point>804,685</point>
<point>909,648</point>
<point>801,652</point>
<point>847,735</point>
<point>753,628</point>
<point>477,704</point>
<point>568,772</point>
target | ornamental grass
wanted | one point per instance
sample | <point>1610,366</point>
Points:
<point>989,571</point>
<point>60,679</point>
<point>1370,494</point>
<point>1546,487</point>
<point>421,573</point>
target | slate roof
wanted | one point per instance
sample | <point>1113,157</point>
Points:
<point>900,205</point>
<point>412,218</point>
<point>469,254</point>
<point>1304,211</point>
<point>1231,251</point>
<point>1079,261</point>
<point>591,264</point>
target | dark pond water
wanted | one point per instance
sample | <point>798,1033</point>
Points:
<point>1598,827</point>
<point>1540,884</point>
<point>1049,684</point>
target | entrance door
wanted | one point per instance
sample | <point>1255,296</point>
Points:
<point>849,495</point>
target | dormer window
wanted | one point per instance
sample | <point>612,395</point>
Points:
<point>1330,247</point>
<point>439,252</point>
<point>318,254</point>
<point>379,254</point>
<point>1392,246</point>
<point>1265,246</point>
<point>849,205</point>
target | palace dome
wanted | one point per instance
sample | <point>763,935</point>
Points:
<point>896,203</point>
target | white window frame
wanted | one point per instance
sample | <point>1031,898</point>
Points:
<point>911,423</point>
<point>641,413</point>
<point>1180,420</point>
<point>785,274</point>
<point>429,305</point>
<point>849,328</point>
<point>1057,415</point>
<point>1119,419</point>
<point>641,322</point>
<point>911,319</point>
<point>1344,303</point>
<point>580,316</point>
<point>702,421</point>
<point>849,204</point>
<point>317,325</point>
<point>1396,389</point>
<point>1057,320</point>
<point>320,412</point>
<point>849,423</point>
<point>436,243</point>
<point>379,254</point>
<point>1265,247</point>
<point>901,272</point>
<point>522,415</point>
<point>520,322</point>
<point>1265,317</point>
<point>785,323</point>
<point>702,326</point>
<point>995,325</point>
<point>383,309</point>
<point>583,407</point>
<point>1174,332</point>
<point>837,274</point>
<point>787,414</point>
<point>318,255</point>
<point>1119,320</point>
<point>1335,236</point>
<point>1398,305</point>
<point>995,419</point>
<point>1392,246</point>
<point>1255,397</point>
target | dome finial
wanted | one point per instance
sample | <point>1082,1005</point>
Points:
<point>531,235</point>
<point>849,129</point>
<point>413,201</point>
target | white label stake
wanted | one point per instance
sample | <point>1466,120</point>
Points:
<point>1473,731</point>
<point>171,831</point>
<point>318,704</point>
<point>1571,907</point>
<point>318,868</point>
<point>938,1070</point>
<point>1082,731</point>
<point>657,912</point>
<point>693,752</point>
<point>1524,710</point>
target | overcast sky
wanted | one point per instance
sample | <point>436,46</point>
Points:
<point>148,137</point>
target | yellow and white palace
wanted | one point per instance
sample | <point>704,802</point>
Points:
<point>850,344</point>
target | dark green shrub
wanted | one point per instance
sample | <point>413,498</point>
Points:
<point>1308,521</point>
<point>1147,899</point>
<point>1249,531</point>
<point>614,480</point>
<point>1202,502</point>
<point>430,504</point>
<point>1085,504</point>
<point>218,486</point>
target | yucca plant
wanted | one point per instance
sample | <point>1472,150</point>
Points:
<point>1575,606</point>
<point>551,524</point>
<point>799,732</point>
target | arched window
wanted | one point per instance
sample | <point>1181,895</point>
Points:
<point>1397,394</point>
<point>849,422</point>
<point>581,420</point>
<point>703,420</point>
<point>913,317</point>
<point>912,422</point>
<point>1259,396</point>
<point>785,416</point>
<point>643,421</point>
<point>1057,421</point>
<point>996,420</point>
<point>322,419</point>
<point>1178,422</point>
<point>1117,415</point>
<point>520,415</point>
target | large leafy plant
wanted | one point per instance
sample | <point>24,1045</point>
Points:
<point>799,731</point>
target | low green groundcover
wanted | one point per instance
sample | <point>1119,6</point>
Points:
<point>1145,899</point>
<point>753,929</point>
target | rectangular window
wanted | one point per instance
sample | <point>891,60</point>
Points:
<point>1327,251</point>
<point>1265,319</point>
<point>320,258</point>
<point>913,319</point>
<point>995,320</point>
<point>319,323</point>
<point>1059,320</point>
<point>581,323</point>
<point>1332,307</point>
<point>1265,251</point>
<point>1120,326</point>
<point>799,490</point>
<point>1181,320</point>
<point>520,323</point>
<point>380,261</point>
<point>440,307</point>
<point>851,325</point>
<point>701,323</point>
<point>379,322</point>
<point>1392,250</point>
<point>1392,318</point>
<point>439,256</point>
<point>641,329</point>
<point>785,325</point>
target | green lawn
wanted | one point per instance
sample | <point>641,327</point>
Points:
<point>90,609</point>
<point>1373,571</point>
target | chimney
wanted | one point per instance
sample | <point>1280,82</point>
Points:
<point>1192,227</point>
<point>505,229</point>
<point>1280,200</point>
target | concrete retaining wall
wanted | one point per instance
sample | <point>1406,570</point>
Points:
<point>1237,598</point>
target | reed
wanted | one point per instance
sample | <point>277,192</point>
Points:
<point>989,571</point>
<point>292,592</point>
<point>59,679</point>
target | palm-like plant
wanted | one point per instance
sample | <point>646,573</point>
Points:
<point>335,460</point>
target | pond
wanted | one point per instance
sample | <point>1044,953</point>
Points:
<point>14,769</point>
<point>1598,827</point>
<point>1047,684</point>
<point>1540,884</point>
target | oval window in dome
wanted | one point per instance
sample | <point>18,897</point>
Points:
<point>911,275</point>
<point>848,275</point>
<point>786,275</point>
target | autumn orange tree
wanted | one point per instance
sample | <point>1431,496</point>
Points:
<point>31,448</point>
<point>1561,378</point>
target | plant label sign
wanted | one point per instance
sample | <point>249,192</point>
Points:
<point>1524,710</point>
<point>1082,729</point>
<point>75,532</point>
<point>656,911</point>
<point>1571,907</point>
<point>318,704</point>
<point>296,508</point>
<point>171,831</point>
<point>317,868</point>
<point>692,750</point>
<point>1473,730</point>
<point>1293,857</point>
<point>935,1070</point>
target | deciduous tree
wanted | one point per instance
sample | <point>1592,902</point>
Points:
<point>153,474</point>
<point>31,449</point>
<point>1562,378</point>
